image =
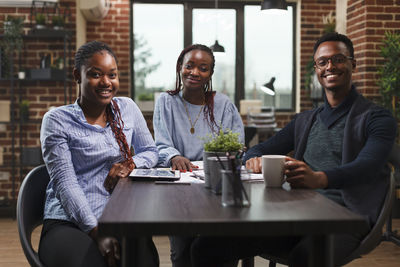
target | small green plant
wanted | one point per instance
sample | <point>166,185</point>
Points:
<point>389,80</point>
<point>12,41</point>
<point>329,22</point>
<point>58,21</point>
<point>13,31</point>
<point>223,142</point>
<point>40,19</point>
<point>24,110</point>
<point>146,97</point>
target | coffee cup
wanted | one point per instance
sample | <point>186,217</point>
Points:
<point>272,170</point>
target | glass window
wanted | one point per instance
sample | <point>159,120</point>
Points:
<point>157,47</point>
<point>208,26</point>
<point>269,53</point>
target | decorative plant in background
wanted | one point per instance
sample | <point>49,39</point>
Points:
<point>58,22</point>
<point>13,31</point>
<point>40,19</point>
<point>223,142</point>
<point>389,80</point>
<point>24,110</point>
<point>11,41</point>
<point>329,22</point>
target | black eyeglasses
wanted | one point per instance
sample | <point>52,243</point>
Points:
<point>322,62</point>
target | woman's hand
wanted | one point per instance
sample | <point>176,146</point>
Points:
<point>182,164</point>
<point>299,174</point>
<point>254,164</point>
<point>108,246</point>
<point>118,171</point>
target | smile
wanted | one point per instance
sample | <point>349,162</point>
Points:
<point>331,76</point>
<point>193,80</point>
<point>104,92</point>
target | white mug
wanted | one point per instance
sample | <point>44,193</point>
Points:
<point>272,170</point>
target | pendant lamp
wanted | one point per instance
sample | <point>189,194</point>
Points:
<point>269,88</point>
<point>216,47</point>
<point>274,5</point>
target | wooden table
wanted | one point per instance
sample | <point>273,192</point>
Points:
<point>143,209</point>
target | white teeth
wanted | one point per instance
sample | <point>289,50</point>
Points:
<point>331,76</point>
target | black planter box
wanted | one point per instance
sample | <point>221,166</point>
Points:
<point>47,74</point>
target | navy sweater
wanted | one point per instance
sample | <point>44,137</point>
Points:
<point>368,139</point>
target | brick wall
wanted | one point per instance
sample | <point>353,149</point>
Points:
<point>40,94</point>
<point>114,30</point>
<point>367,21</point>
<point>310,30</point>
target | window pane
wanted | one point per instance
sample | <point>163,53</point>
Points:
<point>157,46</point>
<point>210,25</point>
<point>269,53</point>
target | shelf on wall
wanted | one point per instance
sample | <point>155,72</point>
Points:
<point>47,33</point>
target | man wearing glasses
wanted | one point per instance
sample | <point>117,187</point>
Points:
<point>339,149</point>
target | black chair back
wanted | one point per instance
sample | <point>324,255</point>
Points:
<point>30,206</point>
<point>373,239</point>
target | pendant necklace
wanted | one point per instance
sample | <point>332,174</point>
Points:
<point>190,120</point>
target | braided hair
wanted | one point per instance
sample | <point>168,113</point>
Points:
<point>113,113</point>
<point>208,91</point>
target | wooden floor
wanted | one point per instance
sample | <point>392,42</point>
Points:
<point>386,254</point>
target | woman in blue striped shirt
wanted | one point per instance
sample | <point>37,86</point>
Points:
<point>86,148</point>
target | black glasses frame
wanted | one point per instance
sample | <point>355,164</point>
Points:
<point>335,59</point>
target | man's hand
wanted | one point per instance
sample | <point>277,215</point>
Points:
<point>182,164</point>
<point>109,248</point>
<point>254,164</point>
<point>118,171</point>
<point>299,175</point>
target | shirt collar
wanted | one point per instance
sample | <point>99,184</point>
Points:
<point>331,115</point>
<point>79,114</point>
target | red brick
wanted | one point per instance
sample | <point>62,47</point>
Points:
<point>384,16</point>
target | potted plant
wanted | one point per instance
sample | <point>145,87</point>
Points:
<point>215,147</point>
<point>40,19</point>
<point>58,22</point>
<point>24,110</point>
<point>389,80</point>
<point>11,41</point>
<point>389,86</point>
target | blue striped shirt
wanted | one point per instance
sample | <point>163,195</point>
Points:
<point>79,155</point>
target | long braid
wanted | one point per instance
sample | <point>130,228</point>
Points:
<point>113,114</point>
<point>117,126</point>
<point>208,91</point>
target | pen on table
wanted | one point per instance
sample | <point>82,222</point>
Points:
<point>197,176</point>
<point>166,182</point>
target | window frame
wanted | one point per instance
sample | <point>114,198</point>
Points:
<point>239,7</point>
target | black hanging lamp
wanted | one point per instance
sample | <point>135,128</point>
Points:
<point>269,88</point>
<point>274,4</point>
<point>216,47</point>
